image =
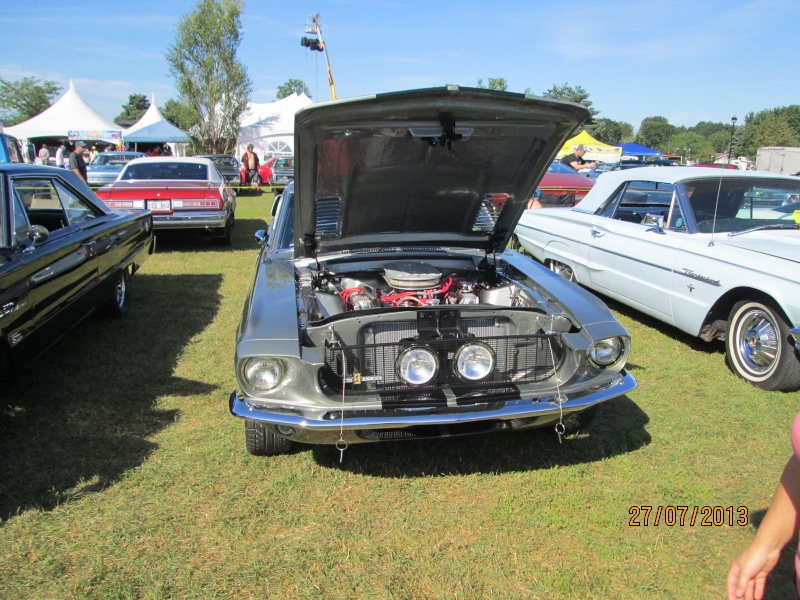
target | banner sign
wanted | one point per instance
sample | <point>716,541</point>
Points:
<point>86,135</point>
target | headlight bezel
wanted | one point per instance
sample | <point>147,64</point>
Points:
<point>274,364</point>
<point>601,351</point>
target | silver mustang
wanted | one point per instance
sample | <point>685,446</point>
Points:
<point>716,253</point>
<point>384,306</point>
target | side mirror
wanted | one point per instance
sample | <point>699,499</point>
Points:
<point>38,234</point>
<point>655,222</point>
<point>262,236</point>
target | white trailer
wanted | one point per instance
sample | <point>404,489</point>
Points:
<point>778,159</point>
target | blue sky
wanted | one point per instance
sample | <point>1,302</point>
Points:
<point>686,60</point>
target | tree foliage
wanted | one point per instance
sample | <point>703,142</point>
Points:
<point>133,110</point>
<point>655,132</point>
<point>775,127</point>
<point>572,94</point>
<point>209,78</point>
<point>179,114</point>
<point>611,132</point>
<point>494,83</point>
<point>292,86</point>
<point>690,145</point>
<point>25,98</point>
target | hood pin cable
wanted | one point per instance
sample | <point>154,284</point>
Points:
<point>341,444</point>
<point>561,429</point>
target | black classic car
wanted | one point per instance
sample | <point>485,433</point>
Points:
<point>63,255</point>
<point>384,304</point>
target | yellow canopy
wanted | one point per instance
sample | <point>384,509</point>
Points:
<point>595,150</point>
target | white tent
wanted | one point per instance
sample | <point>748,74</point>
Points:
<point>70,113</point>
<point>270,127</point>
<point>154,128</point>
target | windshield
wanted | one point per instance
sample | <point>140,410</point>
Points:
<point>165,170</point>
<point>558,167</point>
<point>116,160</point>
<point>225,161</point>
<point>732,204</point>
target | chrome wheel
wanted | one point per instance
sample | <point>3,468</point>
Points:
<point>561,269</point>
<point>758,347</point>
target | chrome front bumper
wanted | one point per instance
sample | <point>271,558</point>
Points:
<point>796,336</point>
<point>196,220</point>
<point>510,414</point>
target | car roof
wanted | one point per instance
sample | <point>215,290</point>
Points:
<point>611,180</point>
<point>175,159</point>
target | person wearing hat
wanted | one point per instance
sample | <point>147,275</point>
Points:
<point>576,161</point>
<point>76,162</point>
<point>250,162</point>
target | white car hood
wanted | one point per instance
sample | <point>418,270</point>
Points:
<point>783,244</point>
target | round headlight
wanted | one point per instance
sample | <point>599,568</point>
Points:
<point>474,361</point>
<point>264,373</point>
<point>417,365</point>
<point>605,352</point>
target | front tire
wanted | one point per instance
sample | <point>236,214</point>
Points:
<point>261,442</point>
<point>759,347</point>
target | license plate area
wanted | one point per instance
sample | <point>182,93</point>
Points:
<point>159,205</point>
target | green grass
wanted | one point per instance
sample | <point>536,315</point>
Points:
<point>124,476</point>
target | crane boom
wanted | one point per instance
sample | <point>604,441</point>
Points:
<point>319,45</point>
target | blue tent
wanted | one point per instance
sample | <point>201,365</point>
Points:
<point>631,149</point>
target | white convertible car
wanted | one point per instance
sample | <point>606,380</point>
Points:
<point>715,253</point>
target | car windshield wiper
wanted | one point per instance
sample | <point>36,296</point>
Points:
<point>763,227</point>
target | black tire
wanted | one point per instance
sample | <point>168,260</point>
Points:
<point>120,300</point>
<point>759,347</point>
<point>578,422</point>
<point>560,268</point>
<point>261,442</point>
<point>226,237</point>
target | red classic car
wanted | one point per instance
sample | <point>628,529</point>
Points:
<point>182,193</point>
<point>264,171</point>
<point>562,186</point>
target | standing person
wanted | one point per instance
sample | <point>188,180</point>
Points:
<point>60,160</point>
<point>576,160</point>
<point>44,155</point>
<point>76,162</point>
<point>93,153</point>
<point>747,577</point>
<point>250,162</point>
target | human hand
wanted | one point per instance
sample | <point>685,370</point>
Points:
<point>747,576</point>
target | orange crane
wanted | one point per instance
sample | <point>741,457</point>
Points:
<point>319,45</point>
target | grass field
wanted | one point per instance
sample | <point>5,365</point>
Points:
<point>124,476</point>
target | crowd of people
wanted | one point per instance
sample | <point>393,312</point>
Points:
<point>79,156</point>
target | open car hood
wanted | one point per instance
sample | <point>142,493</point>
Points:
<point>445,167</point>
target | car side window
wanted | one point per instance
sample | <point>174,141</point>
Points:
<point>51,204</point>
<point>21,224</point>
<point>641,202</point>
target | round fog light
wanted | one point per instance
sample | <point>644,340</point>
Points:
<point>605,352</point>
<point>474,361</point>
<point>417,365</point>
<point>285,430</point>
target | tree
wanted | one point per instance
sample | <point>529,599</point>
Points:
<point>179,114</point>
<point>655,132</point>
<point>25,98</point>
<point>292,86</point>
<point>209,78</point>
<point>690,145</point>
<point>572,94</point>
<point>132,111</point>
<point>495,83</point>
<point>611,132</point>
<point>770,128</point>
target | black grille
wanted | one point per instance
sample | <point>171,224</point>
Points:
<point>370,367</point>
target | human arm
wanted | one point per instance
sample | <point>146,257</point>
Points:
<point>748,573</point>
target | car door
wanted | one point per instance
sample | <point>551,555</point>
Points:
<point>634,245</point>
<point>55,276</point>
